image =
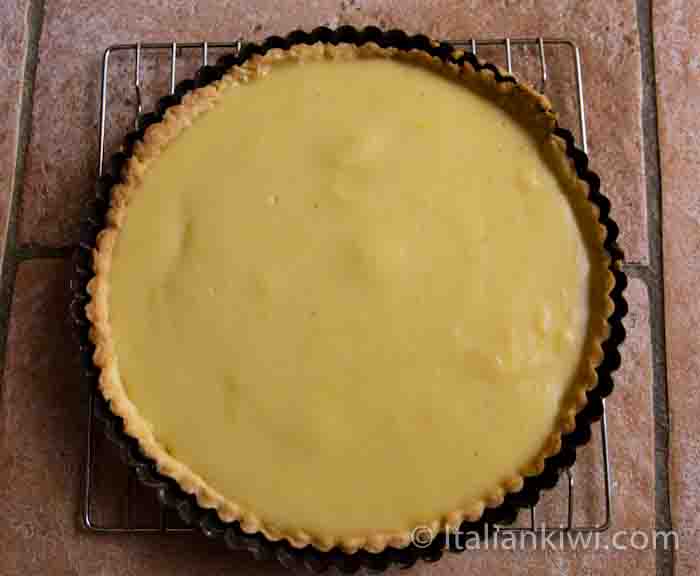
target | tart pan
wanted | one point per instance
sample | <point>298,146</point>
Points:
<point>169,492</point>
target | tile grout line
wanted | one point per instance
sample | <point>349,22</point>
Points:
<point>26,252</point>
<point>643,272</point>
<point>654,280</point>
<point>35,21</point>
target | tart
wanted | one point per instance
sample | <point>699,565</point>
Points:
<point>347,291</point>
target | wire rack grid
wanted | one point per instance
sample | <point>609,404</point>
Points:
<point>542,47</point>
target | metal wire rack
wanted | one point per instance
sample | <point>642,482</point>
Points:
<point>554,47</point>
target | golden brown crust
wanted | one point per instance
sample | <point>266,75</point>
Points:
<point>530,107</point>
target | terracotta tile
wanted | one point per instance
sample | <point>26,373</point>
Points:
<point>13,40</point>
<point>61,162</point>
<point>109,484</point>
<point>677,41</point>
<point>42,419</point>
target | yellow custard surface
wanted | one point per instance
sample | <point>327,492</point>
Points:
<point>352,297</point>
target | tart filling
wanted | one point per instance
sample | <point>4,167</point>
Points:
<point>348,291</point>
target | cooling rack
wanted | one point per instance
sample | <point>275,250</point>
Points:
<point>547,50</point>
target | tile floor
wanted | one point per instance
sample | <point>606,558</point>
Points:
<point>641,63</point>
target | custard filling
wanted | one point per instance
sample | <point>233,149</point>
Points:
<point>351,297</point>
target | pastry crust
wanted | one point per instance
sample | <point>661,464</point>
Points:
<point>528,106</point>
